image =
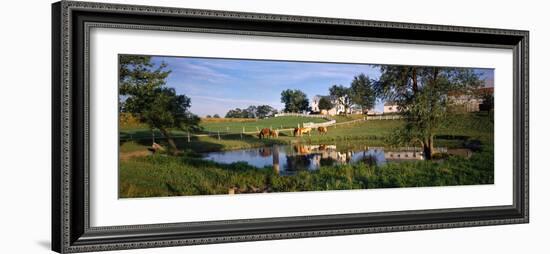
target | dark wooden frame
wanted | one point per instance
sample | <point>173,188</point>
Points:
<point>71,22</point>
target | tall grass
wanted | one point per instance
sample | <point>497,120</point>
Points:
<point>155,176</point>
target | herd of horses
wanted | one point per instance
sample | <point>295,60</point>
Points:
<point>298,132</point>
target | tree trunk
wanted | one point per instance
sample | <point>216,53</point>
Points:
<point>428,147</point>
<point>428,143</point>
<point>173,147</point>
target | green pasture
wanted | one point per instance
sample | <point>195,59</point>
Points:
<point>283,122</point>
<point>375,131</point>
<point>154,176</point>
<point>162,175</point>
<point>460,129</point>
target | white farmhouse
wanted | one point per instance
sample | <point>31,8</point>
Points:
<point>469,102</point>
<point>390,107</point>
<point>336,110</point>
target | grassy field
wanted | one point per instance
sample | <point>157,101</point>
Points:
<point>154,176</point>
<point>459,130</point>
<point>273,123</point>
<point>375,131</point>
<point>160,175</point>
<point>229,125</point>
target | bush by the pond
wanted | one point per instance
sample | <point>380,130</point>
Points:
<point>154,176</point>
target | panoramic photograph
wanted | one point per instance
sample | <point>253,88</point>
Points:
<point>214,126</point>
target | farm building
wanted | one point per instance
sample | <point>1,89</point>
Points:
<point>467,102</point>
<point>390,107</point>
<point>470,102</point>
<point>337,109</point>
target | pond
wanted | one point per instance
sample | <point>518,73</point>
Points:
<point>288,159</point>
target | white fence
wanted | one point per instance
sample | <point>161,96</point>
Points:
<point>300,114</point>
<point>384,117</point>
<point>219,134</point>
<point>315,125</point>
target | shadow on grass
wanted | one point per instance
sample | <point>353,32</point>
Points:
<point>201,144</point>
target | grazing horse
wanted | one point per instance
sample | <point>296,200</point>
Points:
<point>264,133</point>
<point>302,131</point>
<point>273,133</point>
<point>305,131</point>
<point>322,130</point>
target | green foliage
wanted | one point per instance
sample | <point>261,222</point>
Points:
<point>295,101</point>
<point>488,103</point>
<point>263,111</point>
<point>362,92</point>
<point>167,110</point>
<point>142,85</point>
<point>252,111</point>
<point>343,95</point>
<point>422,95</point>
<point>236,113</point>
<point>139,77</point>
<point>325,103</point>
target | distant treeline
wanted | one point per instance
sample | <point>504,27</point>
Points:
<point>252,111</point>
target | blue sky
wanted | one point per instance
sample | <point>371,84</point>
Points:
<point>217,85</point>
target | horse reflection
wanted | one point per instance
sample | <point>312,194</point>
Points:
<point>266,151</point>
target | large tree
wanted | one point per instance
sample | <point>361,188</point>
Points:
<point>142,85</point>
<point>325,103</point>
<point>252,111</point>
<point>342,95</point>
<point>235,113</point>
<point>295,101</point>
<point>421,94</point>
<point>263,111</point>
<point>362,92</point>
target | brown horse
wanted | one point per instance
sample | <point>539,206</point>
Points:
<point>322,130</point>
<point>301,131</point>
<point>305,131</point>
<point>264,133</point>
<point>273,133</point>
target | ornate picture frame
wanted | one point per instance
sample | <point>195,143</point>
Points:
<point>71,229</point>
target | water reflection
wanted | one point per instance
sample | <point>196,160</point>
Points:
<point>288,159</point>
